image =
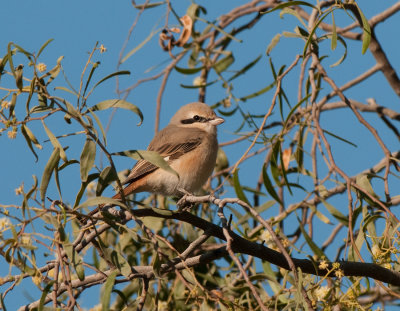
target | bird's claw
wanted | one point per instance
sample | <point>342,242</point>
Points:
<point>182,204</point>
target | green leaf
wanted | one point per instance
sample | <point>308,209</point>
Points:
<point>219,29</point>
<point>188,71</point>
<point>18,74</point>
<point>259,209</point>
<point>141,44</point>
<point>274,162</point>
<point>54,141</point>
<point>366,29</point>
<point>31,90</point>
<point>100,125</point>
<point>275,40</point>
<point>335,213</point>
<point>290,11</point>
<point>76,260</point>
<point>55,70</point>
<point>223,64</point>
<point>147,6</point>
<point>107,176</point>
<point>117,103</point>
<point>29,194</point>
<point>311,35</point>
<point>1,296</point>
<point>150,156</point>
<point>48,171</point>
<point>88,156</point>
<point>268,185</point>
<point>299,150</point>
<point>317,251</point>
<point>245,69</point>
<point>46,290</point>
<point>95,65</point>
<point>108,287</point>
<point>90,178</point>
<point>117,73</point>
<point>28,135</point>
<point>13,103</point>
<point>341,59</point>
<point>198,86</point>
<point>321,216</point>
<point>334,34</point>
<point>363,181</point>
<point>291,3</point>
<point>258,93</point>
<point>43,47</point>
<point>340,138</point>
<point>101,200</point>
<point>238,188</point>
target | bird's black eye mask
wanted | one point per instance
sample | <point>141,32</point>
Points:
<point>195,119</point>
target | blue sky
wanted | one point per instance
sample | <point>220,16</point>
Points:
<point>76,26</point>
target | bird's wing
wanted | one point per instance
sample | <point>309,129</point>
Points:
<point>171,143</point>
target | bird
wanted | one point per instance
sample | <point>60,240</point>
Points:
<point>189,145</point>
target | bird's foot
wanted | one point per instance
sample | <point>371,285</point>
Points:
<point>182,204</point>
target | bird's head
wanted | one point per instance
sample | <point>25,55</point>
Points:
<point>197,115</point>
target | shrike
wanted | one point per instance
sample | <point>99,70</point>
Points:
<point>189,145</point>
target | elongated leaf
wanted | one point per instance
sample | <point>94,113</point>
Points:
<point>334,34</point>
<point>147,6</point>
<point>54,141</point>
<point>219,29</point>
<point>274,163</point>
<point>76,260</point>
<point>28,140</point>
<point>275,40</point>
<point>117,73</point>
<point>151,156</point>
<point>108,287</point>
<point>92,70</point>
<point>321,216</point>
<point>258,209</point>
<point>238,188</point>
<point>141,44</point>
<point>299,150</point>
<point>290,11</point>
<point>101,200</point>
<point>258,93</point>
<point>66,90</point>
<point>118,103</point>
<point>43,47</point>
<point>310,36</point>
<point>290,3</point>
<point>317,251</point>
<point>366,30</point>
<point>107,176</point>
<point>268,185</point>
<point>31,90</point>
<point>335,213</point>
<point>188,71</point>
<point>84,185</point>
<point>198,86</point>
<point>29,194</point>
<point>340,138</point>
<point>88,156</point>
<point>45,291</point>
<point>364,182</point>
<point>245,68</point>
<point>48,171</point>
<point>224,63</point>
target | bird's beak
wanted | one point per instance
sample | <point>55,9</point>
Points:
<point>217,121</point>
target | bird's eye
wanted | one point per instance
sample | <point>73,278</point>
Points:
<point>196,118</point>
